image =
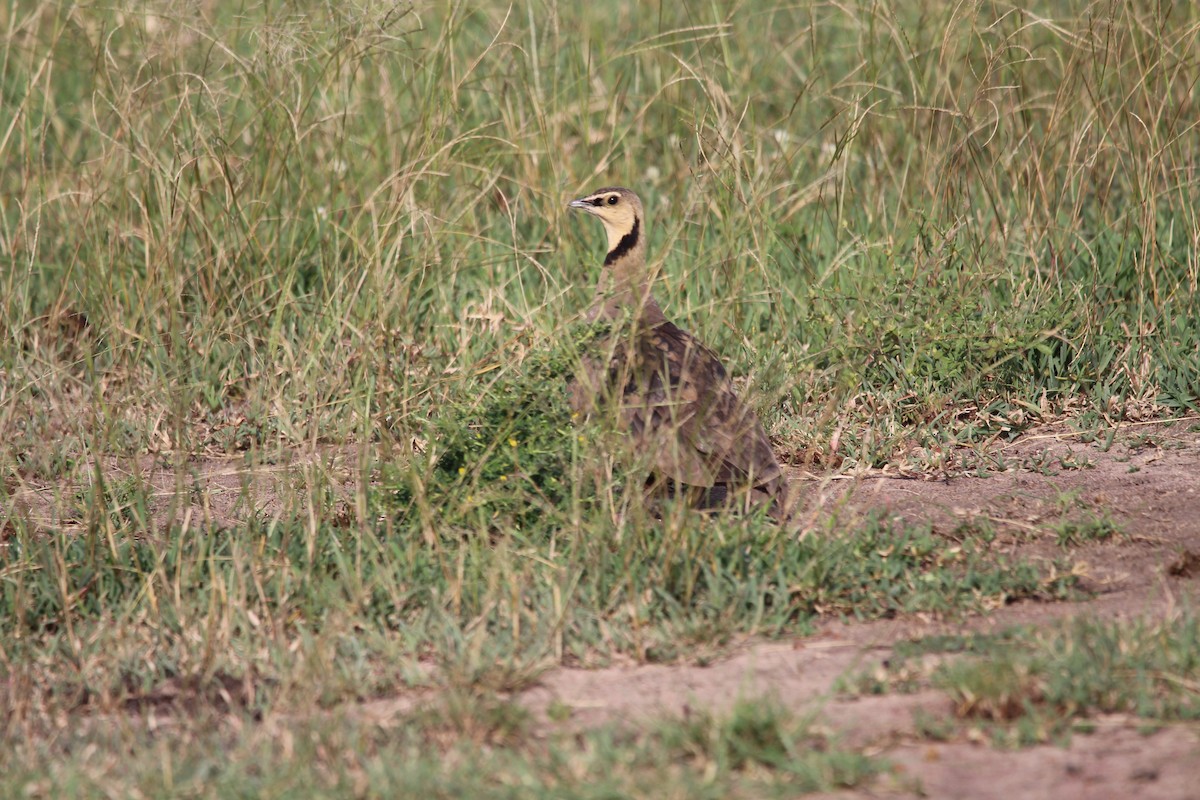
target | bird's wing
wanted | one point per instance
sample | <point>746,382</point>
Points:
<point>677,398</point>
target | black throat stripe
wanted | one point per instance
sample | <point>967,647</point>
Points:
<point>627,243</point>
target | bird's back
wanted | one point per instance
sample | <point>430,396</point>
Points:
<point>679,407</point>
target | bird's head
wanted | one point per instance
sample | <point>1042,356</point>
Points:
<point>621,212</point>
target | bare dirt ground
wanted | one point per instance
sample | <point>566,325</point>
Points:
<point>1147,483</point>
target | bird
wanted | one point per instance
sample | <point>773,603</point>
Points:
<point>669,392</point>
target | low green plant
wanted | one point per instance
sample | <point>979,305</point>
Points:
<point>761,737</point>
<point>1051,684</point>
<point>507,457</point>
<point>1027,685</point>
<point>476,746</point>
<point>1087,530</point>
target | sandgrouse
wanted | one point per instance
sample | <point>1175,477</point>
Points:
<point>669,392</point>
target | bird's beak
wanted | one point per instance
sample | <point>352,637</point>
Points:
<point>583,204</point>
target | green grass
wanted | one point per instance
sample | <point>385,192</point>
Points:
<point>1027,685</point>
<point>476,749</point>
<point>1102,528</point>
<point>1083,668</point>
<point>334,613</point>
<point>322,239</point>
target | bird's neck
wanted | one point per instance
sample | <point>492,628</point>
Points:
<point>626,248</point>
<point>625,279</point>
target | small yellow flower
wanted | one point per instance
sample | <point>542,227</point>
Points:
<point>512,442</point>
<point>462,470</point>
<point>503,477</point>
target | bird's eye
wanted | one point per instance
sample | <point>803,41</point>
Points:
<point>612,201</point>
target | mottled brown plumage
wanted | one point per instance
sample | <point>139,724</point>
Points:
<point>673,396</point>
